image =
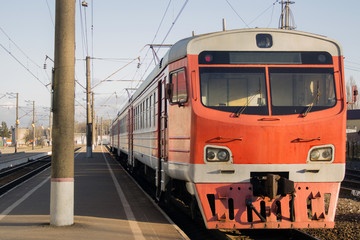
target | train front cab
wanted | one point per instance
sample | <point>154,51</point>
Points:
<point>268,129</point>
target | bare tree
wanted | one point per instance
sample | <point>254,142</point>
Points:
<point>349,94</point>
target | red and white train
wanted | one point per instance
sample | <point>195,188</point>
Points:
<point>249,125</point>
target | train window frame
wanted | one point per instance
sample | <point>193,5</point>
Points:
<point>154,116</point>
<point>172,90</point>
<point>277,110</point>
<point>262,109</point>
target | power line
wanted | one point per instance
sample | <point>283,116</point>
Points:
<point>113,59</point>
<point>353,69</point>
<point>162,19</point>
<point>83,36</point>
<point>263,12</point>
<point>2,30</point>
<point>167,34</point>
<point>350,62</point>
<point>157,31</point>
<point>92,38</point>
<point>173,23</point>
<point>237,13</point>
<point>27,57</point>
<point>51,17</point>
<point>26,68</point>
<point>272,14</point>
<point>115,72</point>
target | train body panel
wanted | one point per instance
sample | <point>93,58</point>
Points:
<point>251,121</point>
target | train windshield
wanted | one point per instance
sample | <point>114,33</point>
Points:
<point>237,90</point>
<point>301,90</point>
<point>243,90</point>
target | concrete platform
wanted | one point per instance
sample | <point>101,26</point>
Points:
<point>108,205</point>
<point>9,159</point>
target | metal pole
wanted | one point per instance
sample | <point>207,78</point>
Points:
<point>88,109</point>
<point>33,126</point>
<point>50,128</point>
<point>97,131</point>
<point>282,15</point>
<point>17,123</point>
<point>62,167</point>
<point>93,120</point>
<point>287,15</point>
<point>101,133</point>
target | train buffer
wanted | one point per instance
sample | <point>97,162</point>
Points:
<point>107,205</point>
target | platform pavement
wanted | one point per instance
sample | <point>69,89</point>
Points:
<point>108,205</point>
<point>11,150</point>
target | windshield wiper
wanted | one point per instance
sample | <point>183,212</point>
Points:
<point>316,98</point>
<point>240,110</point>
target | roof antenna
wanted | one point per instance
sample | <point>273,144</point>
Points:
<point>224,24</point>
<point>286,18</point>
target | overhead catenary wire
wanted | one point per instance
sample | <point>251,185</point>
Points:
<point>353,69</point>
<point>83,30</point>
<point>167,34</point>
<point>84,42</point>
<point>173,23</point>
<point>155,35</point>
<point>137,58</point>
<point>350,62</point>
<point>263,12</point>
<point>237,13</point>
<point>272,14</point>
<point>13,42</point>
<point>92,39</point>
<point>51,17</point>
<point>23,65</point>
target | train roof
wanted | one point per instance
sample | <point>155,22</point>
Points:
<point>210,41</point>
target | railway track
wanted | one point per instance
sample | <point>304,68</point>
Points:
<point>196,230</point>
<point>271,234</point>
<point>12,177</point>
<point>351,183</point>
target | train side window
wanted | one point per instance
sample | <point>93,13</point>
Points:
<point>177,90</point>
<point>150,111</point>
<point>154,109</point>
<point>147,113</point>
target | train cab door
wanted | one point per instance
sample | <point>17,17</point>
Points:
<point>162,136</point>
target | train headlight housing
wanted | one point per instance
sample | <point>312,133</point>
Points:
<point>210,155</point>
<point>223,155</point>
<point>322,153</point>
<point>264,40</point>
<point>214,154</point>
<point>315,154</point>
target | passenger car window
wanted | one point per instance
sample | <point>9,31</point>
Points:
<point>179,89</point>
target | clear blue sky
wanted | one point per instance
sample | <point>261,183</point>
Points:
<point>120,31</point>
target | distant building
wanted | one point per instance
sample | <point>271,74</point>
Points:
<point>80,138</point>
<point>21,138</point>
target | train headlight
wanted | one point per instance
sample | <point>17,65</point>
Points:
<point>223,155</point>
<point>210,155</point>
<point>264,40</point>
<point>326,154</point>
<point>315,154</point>
<point>214,154</point>
<point>322,153</point>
